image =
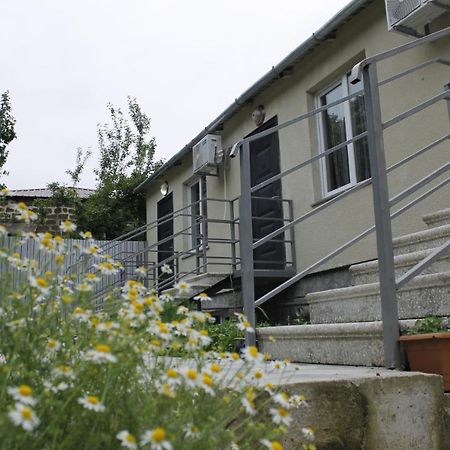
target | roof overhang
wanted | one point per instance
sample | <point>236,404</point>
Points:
<point>326,32</point>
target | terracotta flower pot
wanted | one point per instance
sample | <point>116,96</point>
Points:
<point>429,353</point>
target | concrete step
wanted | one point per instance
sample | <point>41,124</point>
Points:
<point>367,272</point>
<point>438,218</point>
<point>421,240</point>
<point>357,344</point>
<point>425,294</point>
<point>226,299</point>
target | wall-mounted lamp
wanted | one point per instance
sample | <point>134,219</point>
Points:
<point>258,115</point>
<point>164,189</point>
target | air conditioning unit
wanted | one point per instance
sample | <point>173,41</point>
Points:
<point>207,155</point>
<point>412,16</point>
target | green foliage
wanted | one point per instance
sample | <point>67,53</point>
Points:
<point>80,162</point>
<point>72,377</point>
<point>126,160</point>
<point>224,336</point>
<point>431,324</point>
<point>7,132</point>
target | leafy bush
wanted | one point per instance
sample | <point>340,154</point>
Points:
<point>431,324</point>
<point>74,377</point>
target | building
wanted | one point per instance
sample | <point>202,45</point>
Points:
<point>193,208</point>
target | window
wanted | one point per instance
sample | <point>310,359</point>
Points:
<point>348,165</point>
<point>198,212</point>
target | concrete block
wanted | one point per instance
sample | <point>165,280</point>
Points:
<point>367,272</point>
<point>421,240</point>
<point>426,294</point>
<point>437,218</point>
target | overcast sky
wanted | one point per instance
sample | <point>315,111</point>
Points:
<point>184,61</point>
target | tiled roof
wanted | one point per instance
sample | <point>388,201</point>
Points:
<point>46,193</point>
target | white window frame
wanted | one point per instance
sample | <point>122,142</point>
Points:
<point>343,81</point>
<point>197,180</point>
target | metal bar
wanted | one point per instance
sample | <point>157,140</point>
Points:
<point>358,68</point>
<point>345,193</point>
<point>295,120</point>
<point>438,60</point>
<point>422,182</point>
<point>447,89</point>
<point>415,110</point>
<point>246,237</point>
<point>345,246</point>
<point>389,307</point>
<point>308,161</point>
<point>311,213</point>
<point>426,262</point>
<point>233,236</point>
<point>291,217</point>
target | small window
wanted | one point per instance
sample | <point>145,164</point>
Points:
<point>350,164</point>
<point>198,213</point>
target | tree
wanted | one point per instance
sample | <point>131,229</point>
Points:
<point>7,131</point>
<point>80,162</point>
<point>126,159</point>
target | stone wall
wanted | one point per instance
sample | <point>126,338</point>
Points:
<point>50,217</point>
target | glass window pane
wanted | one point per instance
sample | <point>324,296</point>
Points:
<point>334,133</point>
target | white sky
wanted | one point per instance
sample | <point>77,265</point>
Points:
<point>184,61</point>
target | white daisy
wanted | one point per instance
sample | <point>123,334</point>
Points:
<point>53,345</point>
<point>271,445</point>
<point>166,269</point>
<point>251,354</point>
<point>157,439</point>
<point>67,226</point>
<point>22,394</point>
<point>100,354</point>
<point>183,288</point>
<point>203,297</point>
<point>308,432</point>
<point>127,440</point>
<point>24,417</point>
<point>92,403</point>
<point>40,283</point>
<point>280,416</point>
<point>191,431</point>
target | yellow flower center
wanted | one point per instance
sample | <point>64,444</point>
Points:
<point>275,445</point>
<point>25,390</point>
<point>41,282</point>
<point>59,259</point>
<point>155,343</point>
<point>215,368</point>
<point>21,205</point>
<point>172,373</point>
<point>26,413</point>
<point>78,310</point>
<point>253,351</point>
<point>93,399</point>
<point>52,343</point>
<point>103,348</point>
<point>235,355</point>
<point>158,434</point>
<point>191,374</point>
<point>282,412</point>
<point>130,438</point>
<point>207,380</point>
<point>258,374</point>
<point>246,324</point>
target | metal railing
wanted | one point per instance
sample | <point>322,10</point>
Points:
<point>366,71</point>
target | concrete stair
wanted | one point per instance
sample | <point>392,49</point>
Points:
<point>346,323</point>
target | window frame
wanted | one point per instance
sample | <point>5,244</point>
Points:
<point>203,211</point>
<point>349,134</point>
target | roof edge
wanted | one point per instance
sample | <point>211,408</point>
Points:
<point>320,35</point>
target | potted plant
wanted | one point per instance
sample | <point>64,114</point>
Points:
<point>427,347</point>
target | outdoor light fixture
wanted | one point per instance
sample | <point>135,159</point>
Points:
<point>164,188</point>
<point>258,115</point>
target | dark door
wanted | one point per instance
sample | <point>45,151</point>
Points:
<point>267,208</point>
<point>165,230</point>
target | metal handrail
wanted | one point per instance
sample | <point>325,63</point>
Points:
<point>365,71</point>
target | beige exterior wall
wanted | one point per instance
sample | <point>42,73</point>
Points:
<point>363,36</point>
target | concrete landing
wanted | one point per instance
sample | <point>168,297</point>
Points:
<point>356,408</point>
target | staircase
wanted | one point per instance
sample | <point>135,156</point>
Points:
<point>346,323</point>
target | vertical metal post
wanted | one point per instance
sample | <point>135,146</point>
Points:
<point>246,242</point>
<point>232,236</point>
<point>389,308</point>
<point>447,88</point>
<point>292,233</point>
<point>204,244</point>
